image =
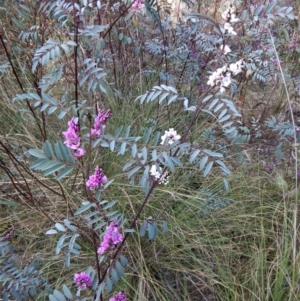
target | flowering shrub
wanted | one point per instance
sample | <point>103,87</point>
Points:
<point>85,57</point>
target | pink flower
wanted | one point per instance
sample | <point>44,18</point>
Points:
<point>72,140</point>
<point>83,280</point>
<point>111,238</point>
<point>137,5</point>
<point>121,296</point>
<point>79,152</point>
<point>96,179</point>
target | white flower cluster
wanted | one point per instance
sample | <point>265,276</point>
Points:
<point>171,136</point>
<point>156,175</point>
<point>229,15</point>
<point>223,75</point>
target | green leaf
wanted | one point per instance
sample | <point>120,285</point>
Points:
<point>168,161</point>
<point>51,231</point>
<point>124,261</point>
<point>54,168</point>
<point>93,221</point>
<point>119,269</point>
<point>223,167</point>
<point>112,145</point>
<point>114,276</point>
<point>52,298</point>
<point>109,205</point>
<point>37,153</point>
<point>60,243</point>
<point>47,165</point>
<point>72,241</point>
<point>58,152</point>
<point>68,259</point>
<point>60,227</point>
<point>213,154</point>
<point>8,203</point>
<point>151,232</point>
<point>128,164</point>
<point>51,110</point>
<point>109,214</point>
<point>64,172</point>
<point>208,168</point>
<point>100,226</point>
<point>67,292</point>
<point>133,171</point>
<point>59,295</point>
<point>44,107</point>
<point>5,296</point>
<point>108,284</point>
<point>194,155</point>
<point>123,148</point>
<point>48,150</point>
<point>176,161</point>
<point>143,228</point>
<point>147,135</point>
<point>84,208</point>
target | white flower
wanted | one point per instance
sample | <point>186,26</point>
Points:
<point>154,173</point>
<point>226,81</point>
<point>163,179</point>
<point>229,28</point>
<point>234,18</point>
<point>212,79</point>
<point>171,136</point>
<point>225,49</point>
<point>236,68</point>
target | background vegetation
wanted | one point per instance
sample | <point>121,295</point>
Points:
<point>232,226</point>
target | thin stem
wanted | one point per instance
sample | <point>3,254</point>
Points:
<point>76,57</point>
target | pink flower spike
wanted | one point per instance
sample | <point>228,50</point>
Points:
<point>101,118</point>
<point>111,238</point>
<point>96,179</point>
<point>72,140</point>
